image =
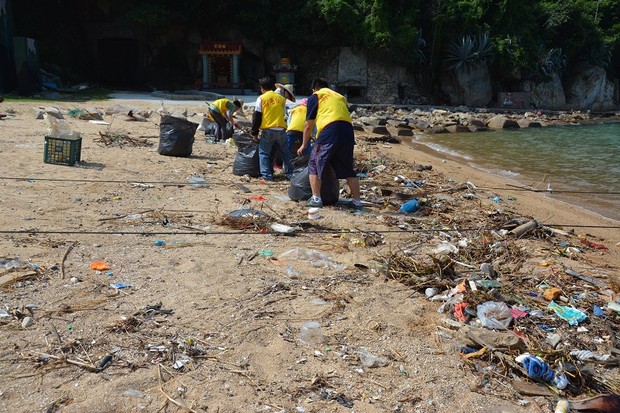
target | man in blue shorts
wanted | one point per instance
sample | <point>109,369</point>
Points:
<point>335,141</point>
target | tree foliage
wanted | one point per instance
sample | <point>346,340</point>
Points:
<point>421,35</point>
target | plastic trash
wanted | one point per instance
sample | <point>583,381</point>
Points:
<point>59,128</point>
<point>572,315</point>
<point>310,333</point>
<point>316,258</point>
<point>281,228</point>
<point>559,380</point>
<point>598,311</point>
<point>494,315</point>
<point>14,263</point>
<point>410,206</point>
<point>445,248</point>
<point>589,355</point>
<point>290,271</point>
<point>133,393</point>
<point>370,360</point>
<point>487,270</point>
<point>248,213</point>
<point>612,305</point>
<point>99,266</point>
<point>120,286</point>
<point>536,368</point>
<point>197,182</point>
<point>431,291</point>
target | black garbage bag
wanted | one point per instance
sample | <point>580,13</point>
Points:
<point>176,136</point>
<point>246,159</point>
<point>299,189</point>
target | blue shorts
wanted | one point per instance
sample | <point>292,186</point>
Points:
<point>338,155</point>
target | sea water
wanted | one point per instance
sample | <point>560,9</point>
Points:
<point>580,164</point>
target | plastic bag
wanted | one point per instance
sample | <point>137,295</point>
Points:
<point>300,190</point>
<point>495,315</point>
<point>59,128</point>
<point>316,258</point>
<point>246,159</point>
<point>176,136</point>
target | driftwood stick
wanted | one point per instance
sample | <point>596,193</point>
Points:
<point>525,228</point>
<point>174,401</point>
<point>64,258</point>
<point>86,366</point>
<point>55,331</point>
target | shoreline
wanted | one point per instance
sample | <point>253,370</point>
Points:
<point>518,184</point>
<point>534,204</point>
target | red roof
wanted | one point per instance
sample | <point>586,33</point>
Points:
<point>220,47</point>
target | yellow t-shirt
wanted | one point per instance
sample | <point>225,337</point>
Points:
<point>272,108</point>
<point>332,108</point>
<point>222,105</point>
<point>297,118</point>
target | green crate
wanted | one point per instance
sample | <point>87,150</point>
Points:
<point>63,151</point>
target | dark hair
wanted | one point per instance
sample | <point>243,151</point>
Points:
<point>265,82</point>
<point>319,83</point>
<point>237,103</point>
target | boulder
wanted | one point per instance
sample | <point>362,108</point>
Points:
<point>458,129</point>
<point>528,123</point>
<point>378,130</point>
<point>502,122</point>
<point>404,132</point>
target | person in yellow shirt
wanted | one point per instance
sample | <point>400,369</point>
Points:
<point>221,111</point>
<point>295,127</point>
<point>269,129</point>
<point>328,111</point>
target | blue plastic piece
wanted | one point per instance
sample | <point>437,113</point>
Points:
<point>410,206</point>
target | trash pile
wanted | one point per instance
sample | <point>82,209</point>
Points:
<point>513,290</point>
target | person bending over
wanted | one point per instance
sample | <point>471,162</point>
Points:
<point>221,112</point>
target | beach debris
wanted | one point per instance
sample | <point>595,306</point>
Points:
<point>99,266</point>
<point>109,138</point>
<point>315,257</point>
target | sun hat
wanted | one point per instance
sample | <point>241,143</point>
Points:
<point>288,88</point>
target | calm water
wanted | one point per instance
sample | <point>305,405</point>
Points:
<point>569,158</point>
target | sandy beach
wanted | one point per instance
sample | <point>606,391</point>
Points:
<point>193,313</point>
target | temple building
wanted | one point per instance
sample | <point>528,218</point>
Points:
<point>221,62</point>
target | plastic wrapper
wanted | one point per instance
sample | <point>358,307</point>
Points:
<point>494,315</point>
<point>572,315</point>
